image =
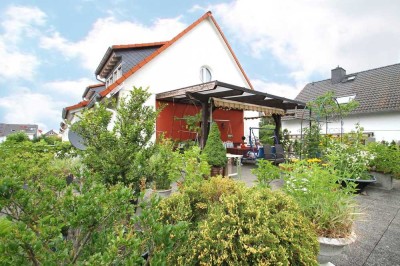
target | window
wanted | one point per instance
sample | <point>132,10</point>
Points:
<point>116,74</point>
<point>205,74</point>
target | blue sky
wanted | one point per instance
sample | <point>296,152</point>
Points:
<point>50,49</point>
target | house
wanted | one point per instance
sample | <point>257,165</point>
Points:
<point>193,62</point>
<point>28,129</point>
<point>51,133</point>
<point>377,92</point>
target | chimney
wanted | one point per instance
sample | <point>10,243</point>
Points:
<point>337,75</point>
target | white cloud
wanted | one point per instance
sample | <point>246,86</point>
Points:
<point>70,88</point>
<point>109,31</point>
<point>313,36</point>
<point>279,89</point>
<point>19,23</point>
<point>21,20</point>
<point>17,65</point>
<point>27,107</point>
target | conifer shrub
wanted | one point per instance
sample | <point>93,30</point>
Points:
<point>214,149</point>
<point>231,224</point>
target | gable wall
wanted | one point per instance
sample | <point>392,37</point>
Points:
<point>179,65</point>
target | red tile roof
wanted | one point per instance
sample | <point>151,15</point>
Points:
<point>76,106</point>
<point>137,45</point>
<point>95,85</point>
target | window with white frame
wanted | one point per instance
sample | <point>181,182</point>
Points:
<point>205,74</point>
<point>114,76</point>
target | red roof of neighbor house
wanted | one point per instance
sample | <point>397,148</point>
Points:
<point>168,44</point>
<point>76,106</point>
<point>95,85</point>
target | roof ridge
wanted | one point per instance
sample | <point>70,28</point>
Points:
<point>355,73</point>
<point>374,69</point>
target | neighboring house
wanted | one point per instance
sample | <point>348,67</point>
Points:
<point>28,129</point>
<point>195,71</point>
<point>51,133</point>
<point>378,93</point>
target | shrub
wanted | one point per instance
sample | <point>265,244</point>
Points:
<point>231,224</point>
<point>214,149</point>
<point>119,155</point>
<point>265,172</point>
<point>160,166</point>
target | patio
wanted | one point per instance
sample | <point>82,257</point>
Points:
<point>377,228</point>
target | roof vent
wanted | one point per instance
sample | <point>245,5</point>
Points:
<point>337,75</point>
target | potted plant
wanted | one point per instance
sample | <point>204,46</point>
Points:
<point>215,151</point>
<point>160,168</point>
<point>317,190</point>
<point>351,159</point>
<point>384,166</point>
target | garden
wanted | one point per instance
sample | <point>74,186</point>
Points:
<point>101,205</point>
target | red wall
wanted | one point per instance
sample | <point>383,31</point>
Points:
<point>176,129</point>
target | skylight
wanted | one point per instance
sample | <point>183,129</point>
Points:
<point>345,99</point>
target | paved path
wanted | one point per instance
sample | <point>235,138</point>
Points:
<point>377,227</point>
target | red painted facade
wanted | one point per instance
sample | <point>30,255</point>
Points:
<point>170,123</point>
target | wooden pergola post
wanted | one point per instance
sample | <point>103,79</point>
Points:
<point>205,114</point>
<point>278,126</point>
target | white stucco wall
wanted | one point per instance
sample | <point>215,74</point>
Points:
<point>385,125</point>
<point>179,65</point>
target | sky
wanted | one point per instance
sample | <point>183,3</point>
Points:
<point>50,49</point>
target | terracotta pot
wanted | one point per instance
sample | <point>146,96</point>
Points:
<point>217,170</point>
<point>331,247</point>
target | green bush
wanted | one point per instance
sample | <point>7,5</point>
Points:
<point>317,190</point>
<point>160,165</point>
<point>266,172</point>
<point>386,159</point>
<point>214,149</point>
<point>231,224</point>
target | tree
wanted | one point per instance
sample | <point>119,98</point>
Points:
<point>120,154</point>
<point>17,137</point>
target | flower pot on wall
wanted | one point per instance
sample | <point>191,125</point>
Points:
<point>331,247</point>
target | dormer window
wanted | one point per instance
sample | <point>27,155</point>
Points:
<point>114,76</point>
<point>205,74</point>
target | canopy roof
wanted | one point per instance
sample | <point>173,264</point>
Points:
<point>228,104</point>
<point>230,96</point>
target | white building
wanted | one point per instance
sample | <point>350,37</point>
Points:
<point>378,93</point>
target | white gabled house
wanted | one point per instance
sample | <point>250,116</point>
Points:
<point>378,93</point>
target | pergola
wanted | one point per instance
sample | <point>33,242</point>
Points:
<point>216,94</point>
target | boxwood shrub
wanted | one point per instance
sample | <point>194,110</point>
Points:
<point>231,224</point>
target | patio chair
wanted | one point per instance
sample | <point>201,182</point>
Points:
<point>277,157</point>
<point>279,154</point>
